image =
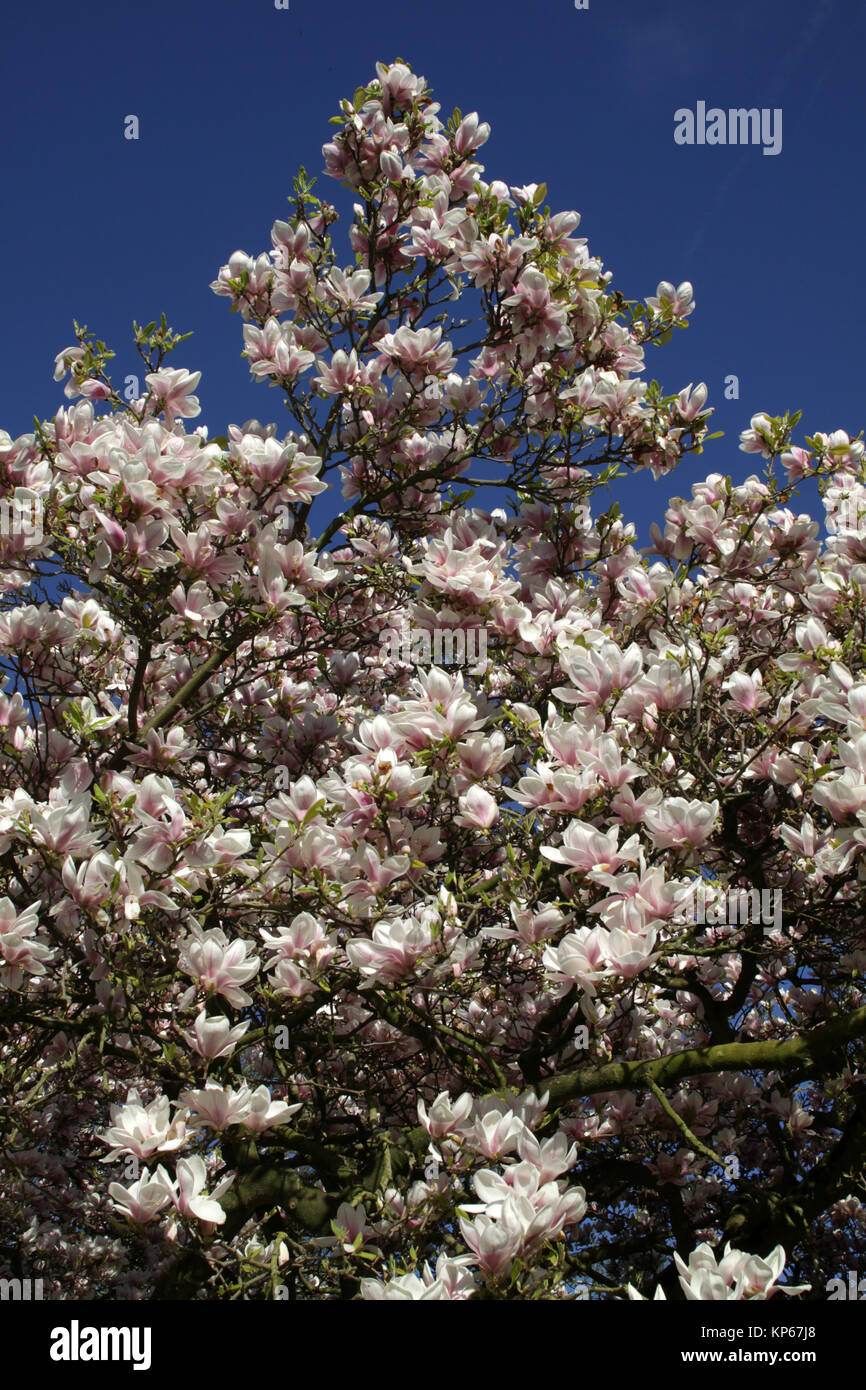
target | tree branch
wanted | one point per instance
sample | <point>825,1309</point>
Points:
<point>180,697</point>
<point>265,1187</point>
<point>803,1050</point>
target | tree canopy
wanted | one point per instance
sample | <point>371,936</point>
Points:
<point>327,971</point>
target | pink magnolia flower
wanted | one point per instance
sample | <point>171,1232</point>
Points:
<point>217,964</point>
<point>417,352</point>
<point>758,438</point>
<point>551,1157</point>
<point>679,301</point>
<point>537,319</point>
<point>93,390</point>
<point>736,1276</point>
<point>591,851</point>
<point>65,826</point>
<point>195,604</point>
<point>556,790</point>
<point>171,391</point>
<point>304,939</point>
<point>681,824</point>
<point>691,402</point>
<point>400,86</point>
<point>843,796</point>
<point>350,1228</point>
<point>214,1036</point>
<point>598,672</point>
<point>745,692</point>
<point>65,360</point>
<point>493,1243</point>
<point>471,134</point>
<point>806,841</point>
<point>217,1106</point>
<point>528,1210</point>
<point>478,809</point>
<point>287,979</point>
<point>666,686</point>
<point>605,758</point>
<point>142,1200</point>
<point>402,1288</point>
<point>340,374</point>
<point>349,290</point>
<point>636,897</point>
<point>142,1130</point>
<point>394,951</point>
<point>275,351</point>
<point>495,1131</point>
<point>21,952</point>
<point>529,927</point>
<point>114,532</point>
<point>580,958</point>
<point>263,1112</point>
<point>444,1117</point>
<point>631,952</point>
<point>187,1192</point>
<point>452,1280</point>
<point>525,193</point>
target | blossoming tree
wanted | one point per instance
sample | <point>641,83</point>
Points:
<point>327,975</point>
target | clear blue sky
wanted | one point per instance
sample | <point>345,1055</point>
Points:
<point>233,97</point>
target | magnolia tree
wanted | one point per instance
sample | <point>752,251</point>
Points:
<point>329,971</point>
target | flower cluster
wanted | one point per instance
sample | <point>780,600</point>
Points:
<point>409,944</point>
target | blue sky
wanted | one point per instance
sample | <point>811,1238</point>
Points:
<point>233,97</point>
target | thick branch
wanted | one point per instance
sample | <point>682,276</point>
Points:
<point>804,1050</point>
<point>807,1049</point>
<point>137,683</point>
<point>180,697</point>
<point>265,1187</point>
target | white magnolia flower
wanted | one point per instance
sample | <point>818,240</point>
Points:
<point>142,1130</point>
